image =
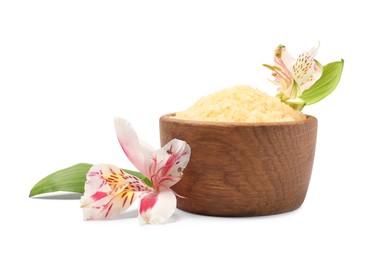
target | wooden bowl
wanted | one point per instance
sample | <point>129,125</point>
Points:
<point>243,169</point>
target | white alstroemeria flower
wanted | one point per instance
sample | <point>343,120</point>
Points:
<point>109,190</point>
<point>293,76</point>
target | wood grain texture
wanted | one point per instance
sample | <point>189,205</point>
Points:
<point>243,169</point>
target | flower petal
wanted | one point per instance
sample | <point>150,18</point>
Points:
<point>167,164</point>
<point>136,151</point>
<point>306,71</point>
<point>156,208</point>
<point>283,59</point>
<point>292,91</point>
<point>282,70</point>
<point>109,191</point>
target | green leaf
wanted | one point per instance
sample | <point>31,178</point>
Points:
<point>331,75</point>
<point>296,103</point>
<point>71,179</point>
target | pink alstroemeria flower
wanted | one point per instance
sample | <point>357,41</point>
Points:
<point>109,190</point>
<point>293,76</point>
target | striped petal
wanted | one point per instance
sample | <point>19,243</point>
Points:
<point>167,164</point>
<point>305,70</point>
<point>109,191</point>
<point>157,208</point>
<point>137,152</point>
<point>282,71</point>
<point>283,59</point>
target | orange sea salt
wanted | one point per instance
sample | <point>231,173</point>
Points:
<point>240,104</point>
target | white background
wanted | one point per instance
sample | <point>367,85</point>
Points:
<point>67,68</point>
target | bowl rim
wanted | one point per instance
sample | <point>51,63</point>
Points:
<point>169,118</point>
